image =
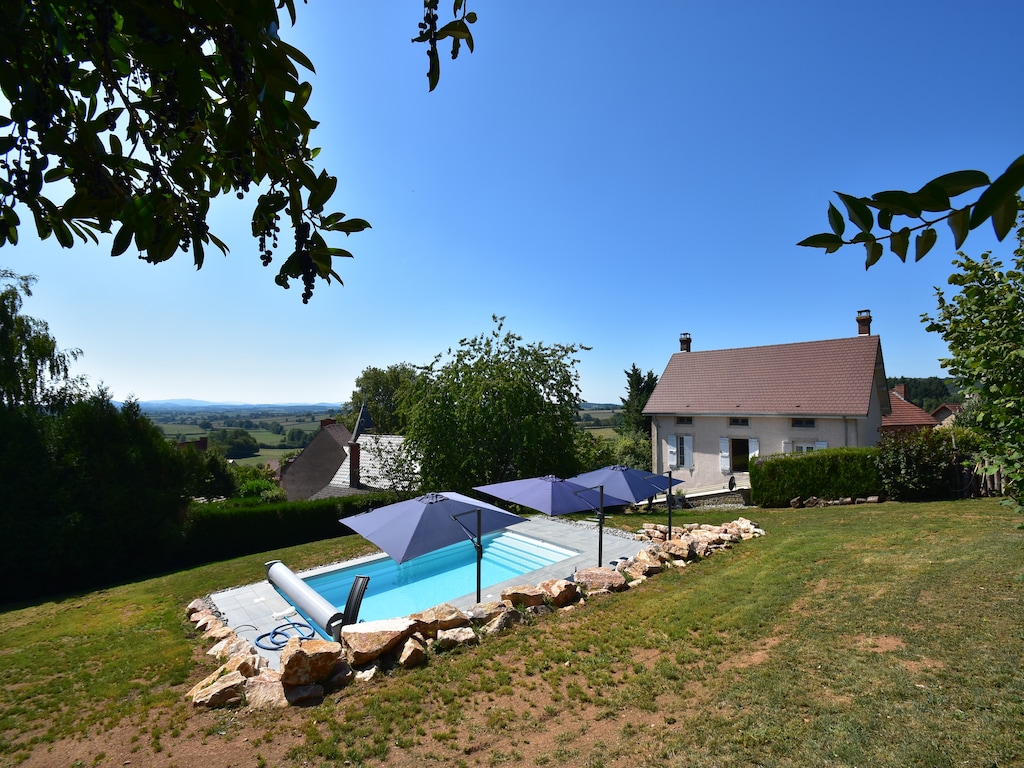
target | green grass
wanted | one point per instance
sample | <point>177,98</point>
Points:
<point>872,635</point>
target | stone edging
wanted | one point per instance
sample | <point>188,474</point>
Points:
<point>312,668</point>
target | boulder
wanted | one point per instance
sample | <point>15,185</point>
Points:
<point>304,695</point>
<point>342,675</point>
<point>304,662</point>
<point>484,612</point>
<point>600,579</point>
<point>413,653</point>
<point>229,689</point>
<point>452,638</point>
<point>265,691</point>
<point>230,646</point>
<point>443,616</point>
<point>560,591</point>
<point>524,595</point>
<point>681,548</point>
<point>195,607</point>
<point>218,633</point>
<point>502,621</point>
<point>369,640</point>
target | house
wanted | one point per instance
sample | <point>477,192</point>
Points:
<point>712,411</point>
<point>314,468</point>
<point>946,413</point>
<point>905,416</point>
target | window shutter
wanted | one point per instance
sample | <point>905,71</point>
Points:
<point>754,447</point>
<point>820,445</point>
<point>673,451</point>
<point>787,446</point>
<point>723,454</point>
<point>688,451</point>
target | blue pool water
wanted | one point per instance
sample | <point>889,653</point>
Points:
<point>399,589</point>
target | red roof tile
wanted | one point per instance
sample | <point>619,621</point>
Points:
<point>818,378</point>
<point>906,414</point>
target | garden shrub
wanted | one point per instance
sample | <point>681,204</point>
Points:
<point>923,465</point>
<point>237,527</point>
<point>833,473</point>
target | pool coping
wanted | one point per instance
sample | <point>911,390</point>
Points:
<point>255,609</point>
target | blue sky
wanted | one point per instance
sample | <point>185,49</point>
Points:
<point>599,173</point>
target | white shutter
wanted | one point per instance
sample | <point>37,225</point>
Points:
<point>673,452</point>
<point>688,451</point>
<point>753,446</point>
<point>787,446</point>
<point>820,445</point>
<point>723,454</point>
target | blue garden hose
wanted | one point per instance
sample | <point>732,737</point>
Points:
<point>277,638</point>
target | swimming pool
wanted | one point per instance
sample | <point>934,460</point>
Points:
<point>399,589</point>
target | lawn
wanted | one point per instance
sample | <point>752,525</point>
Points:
<point>885,635</point>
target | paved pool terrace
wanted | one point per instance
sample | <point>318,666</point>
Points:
<point>256,609</point>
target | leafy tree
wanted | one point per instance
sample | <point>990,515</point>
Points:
<point>928,393</point>
<point>594,452</point>
<point>639,388</point>
<point>901,214</point>
<point>983,325</point>
<point>233,444</point>
<point>496,410</point>
<point>130,118</point>
<point>33,370</point>
<point>385,392</point>
<point>634,449</point>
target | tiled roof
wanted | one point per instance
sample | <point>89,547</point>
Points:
<point>906,414</point>
<point>836,377</point>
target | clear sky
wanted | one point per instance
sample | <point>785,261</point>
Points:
<point>607,174</point>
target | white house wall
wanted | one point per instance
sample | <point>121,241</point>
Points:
<point>774,434</point>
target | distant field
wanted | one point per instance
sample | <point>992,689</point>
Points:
<point>602,431</point>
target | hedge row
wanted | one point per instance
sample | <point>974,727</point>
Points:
<point>221,530</point>
<point>833,473</point>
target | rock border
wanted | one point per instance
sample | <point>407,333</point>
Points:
<point>310,668</point>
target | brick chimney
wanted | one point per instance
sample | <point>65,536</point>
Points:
<point>684,342</point>
<point>864,322</point>
<point>353,466</point>
<point>900,390</point>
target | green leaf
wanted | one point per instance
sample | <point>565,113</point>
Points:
<point>958,182</point>
<point>122,240</point>
<point>885,219</point>
<point>830,242</point>
<point>923,243</point>
<point>858,211</point>
<point>7,143</point>
<point>350,226</point>
<point>874,253</point>
<point>1004,217</point>
<point>1005,186</point>
<point>899,243</point>
<point>960,223</point>
<point>321,192</point>
<point>931,197</point>
<point>899,202</point>
<point>836,220</point>
<point>296,55</point>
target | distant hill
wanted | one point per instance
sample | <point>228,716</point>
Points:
<point>197,405</point>
<point>599,406</point>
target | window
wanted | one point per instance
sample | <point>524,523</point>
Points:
<point>808,447</point>
<point>802,423</point>
<point>680,451</point>
<point>684,420</point>
<point>737,421</point>
<point>734,453</point>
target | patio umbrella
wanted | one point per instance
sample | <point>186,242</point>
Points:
<point>554,496</point>
<point>417,526</point>
<point>633,484</point>
<point>626,482</point>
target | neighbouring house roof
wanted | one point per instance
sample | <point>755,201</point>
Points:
<point>312,469</point>
<point>835,377</point>
<point>906,415</point>
<point>947,411</point>
<point>375,451</point>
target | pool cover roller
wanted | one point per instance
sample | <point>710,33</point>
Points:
<point>306,599</point>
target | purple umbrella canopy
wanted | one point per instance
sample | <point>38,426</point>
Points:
<point>551,495</point>
<point>417,526</point>
<point>626,482</point>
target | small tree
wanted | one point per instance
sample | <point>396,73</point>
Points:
<point>983,325</point>
<point>384,391</point>
<point>497,410</point>
<point>639,388</point>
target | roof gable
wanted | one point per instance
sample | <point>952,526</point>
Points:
<point>905,414</point>
<point>836,377</point>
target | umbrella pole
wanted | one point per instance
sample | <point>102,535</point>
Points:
<point>668,500</point>
<point>479,551</point>
<point>600,527</point>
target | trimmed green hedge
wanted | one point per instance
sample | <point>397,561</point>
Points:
<point>220,530</point>
<point>833,473</point>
